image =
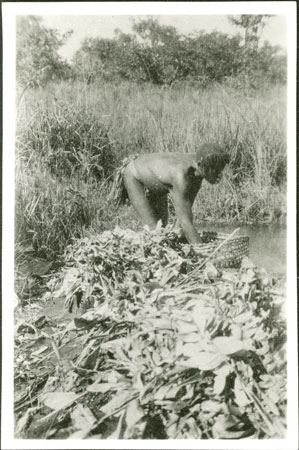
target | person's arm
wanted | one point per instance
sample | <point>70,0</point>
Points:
<point>183,207</point>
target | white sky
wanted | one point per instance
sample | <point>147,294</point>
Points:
<point>104,25</point>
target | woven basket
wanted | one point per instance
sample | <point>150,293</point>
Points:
<point>230,254</point>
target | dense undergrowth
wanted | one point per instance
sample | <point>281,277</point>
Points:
<point>70,137</point>
<point>168,347</point>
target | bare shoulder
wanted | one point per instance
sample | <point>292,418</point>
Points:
<point>170,169</point>
<point>178,161</point>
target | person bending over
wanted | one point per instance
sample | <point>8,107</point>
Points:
<point>148,178</point>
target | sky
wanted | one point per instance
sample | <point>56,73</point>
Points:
<point>103,26</point>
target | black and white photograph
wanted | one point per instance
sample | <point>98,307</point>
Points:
<point>149,225</point>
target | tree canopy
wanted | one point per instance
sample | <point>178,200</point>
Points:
<point>37,59</point>
<point>151,53</point>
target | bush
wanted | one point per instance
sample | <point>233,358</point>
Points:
<point>159,54</point>
<point>37,59</point>
<point>50,212</point>
<point>69,140</point>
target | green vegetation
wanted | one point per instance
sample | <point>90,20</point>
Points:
<point>166,92</point>
<point>70,137</point>
<point>37,56</point>
<point>168,348</point>
<point>153,53</point>
<point>164,343</point>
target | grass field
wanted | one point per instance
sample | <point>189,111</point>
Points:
<point>70,137</point>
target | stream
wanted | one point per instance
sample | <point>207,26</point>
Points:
<point>267,244</point>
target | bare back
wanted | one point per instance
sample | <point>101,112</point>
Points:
<point>162,172</point>
<point>178,173</point>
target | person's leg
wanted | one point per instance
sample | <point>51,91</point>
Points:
<point>164,210</point>
<point>159,205</point>
<point>138,199</point>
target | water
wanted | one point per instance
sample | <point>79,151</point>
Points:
<point>267,244</point>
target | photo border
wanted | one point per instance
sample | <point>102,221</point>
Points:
<point>9,13</point>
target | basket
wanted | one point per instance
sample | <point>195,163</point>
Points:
<point>230,254</point>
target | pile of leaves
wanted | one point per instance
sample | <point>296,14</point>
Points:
<point>164,346</point>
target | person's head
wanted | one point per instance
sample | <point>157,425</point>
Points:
<point>211,160</point>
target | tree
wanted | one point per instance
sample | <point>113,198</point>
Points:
<point>90,61</point>
<point>259,64</point>
<point>213,56</point>
<point>153,34</point>
<point>37,59</point>
<point>253,25</point>
<point>156,48</point>
<point>159,54</point>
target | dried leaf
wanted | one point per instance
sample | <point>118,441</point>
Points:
<point>188,349</point>
<point>211,406</point>
<point>133,413</point>
<point>241,397</point>
<point>248,277</point>
<point>35,266</point>
<point>70,283</point>
<point>243,318</point>
<point>80,434</point>
<point>166,392</point>
<point>202,316</point>
<point>229,345</point>
<point>119,431</point>
<point>247,263</point>
<point>40,350</point>
<point>113,344</point>
<point>186,327</point>
<point>204,360</point>
<point>191,338</point>
<point>102,387</point>
<point>160,323</point>
<point>58,400</point>
<point>85,324</point>
<point>220,379</point>
<point>117,402</point>
<point>271,405</point>
<point>229,276</point>
<point>24,420</point>
<point>229,427</point>
<point>82,417</point>
<point>188,429</point>
<point>210,272</point>
<point>152,285</point>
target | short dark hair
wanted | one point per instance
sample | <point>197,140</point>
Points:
<point>212,155</point>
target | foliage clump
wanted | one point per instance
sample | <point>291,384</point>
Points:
<point>166,349</point>
<point>68,139</point>
<point>160,55</point>
<point>38,61</point>
<point>153,53</point>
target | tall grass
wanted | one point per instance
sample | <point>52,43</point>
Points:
<point>70,136</point>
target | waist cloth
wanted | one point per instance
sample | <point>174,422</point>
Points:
<point>133,169</point>
<point>118,194</point>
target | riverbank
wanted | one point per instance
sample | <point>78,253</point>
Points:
<point>267,243</point>
<point>71,136</point>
